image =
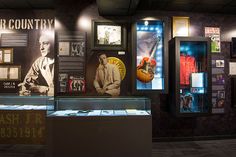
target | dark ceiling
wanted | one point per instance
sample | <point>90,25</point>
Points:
<point>210,6</point>
<point>26,4</point>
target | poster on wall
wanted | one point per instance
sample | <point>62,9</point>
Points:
<point>71,62</point>
<point>27,44</point>
<point>150,55</point>
<point>214,34</point>
<point>107,74</point>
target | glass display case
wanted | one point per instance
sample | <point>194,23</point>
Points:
<point>81,106</point>
<point>190,70</point>
<point>118,126</point>
<point>151,56</point>
<point>16,102</point>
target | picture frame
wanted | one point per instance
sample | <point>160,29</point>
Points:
<point>180,26</point>
<point>10,73</point>
<point>6,55</point>
<point>14,73</point>
<point>214,34</point>
<point>108,35</point>
<point>220,63</point>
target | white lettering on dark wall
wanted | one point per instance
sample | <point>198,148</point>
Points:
<point>25,24</point>
<point>7,85</point>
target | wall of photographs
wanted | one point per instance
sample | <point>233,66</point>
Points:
<point>71,62</point>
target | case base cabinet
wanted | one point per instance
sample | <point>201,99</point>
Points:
<point>101,136</point>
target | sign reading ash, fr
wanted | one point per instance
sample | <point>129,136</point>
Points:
<point>22,127</point>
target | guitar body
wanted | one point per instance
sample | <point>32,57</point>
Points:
<point>146,69</point>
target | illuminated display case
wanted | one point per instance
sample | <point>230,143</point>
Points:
<point>16,102</point>
<point>151,56</point>
<point>80,106</point>
<point>119,126</point>
<point>190,73</point>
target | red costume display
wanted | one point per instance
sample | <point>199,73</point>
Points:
<point>187,66</point>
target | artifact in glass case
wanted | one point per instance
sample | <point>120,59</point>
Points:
<point>122,106</point>
<point>191,72</point>
<point>150,62</point>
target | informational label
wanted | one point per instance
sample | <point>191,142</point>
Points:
<point>218,84</point>
<point>22,127</point>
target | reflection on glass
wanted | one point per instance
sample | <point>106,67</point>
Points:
<point>149,55</point>
<point>193,77</point>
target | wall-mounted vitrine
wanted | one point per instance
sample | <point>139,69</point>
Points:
<point>190,73</point>
<point>150,56</point>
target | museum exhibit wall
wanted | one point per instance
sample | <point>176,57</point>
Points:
<point>77,17</point>
<point>165,125</point>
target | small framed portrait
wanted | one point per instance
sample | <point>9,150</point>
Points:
<point>220,79</point>
<point>107,35</point>
<point>78,48</point>
<point>180,26</point>
<point>221,94</point>
<point>220,63</point>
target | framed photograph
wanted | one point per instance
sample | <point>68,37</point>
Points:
<point>64,48</point>
<point>221,94</point>
<point>14,72</point>
<point>220,63</point>
<point>10,73</point>
<point>180,26</point>
<point>78,48</point>
<point>6,55</point>
<point>108,35</point>
<point>3,72</point>
<point>220,79</point>
<point>214,34</point>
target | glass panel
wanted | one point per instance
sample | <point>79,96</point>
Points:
<point>193,76</point>
<point>149,57</point>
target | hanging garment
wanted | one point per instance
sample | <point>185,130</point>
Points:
<point>187,66</point>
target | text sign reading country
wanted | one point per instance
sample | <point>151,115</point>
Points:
<point>22,127</point>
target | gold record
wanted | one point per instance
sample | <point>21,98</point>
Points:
<point>119,64</point>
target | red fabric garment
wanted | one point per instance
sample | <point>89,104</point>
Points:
<point>187,66</point>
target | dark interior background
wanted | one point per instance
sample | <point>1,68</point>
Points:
<point>164,124</point>
<point>219,13</point>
